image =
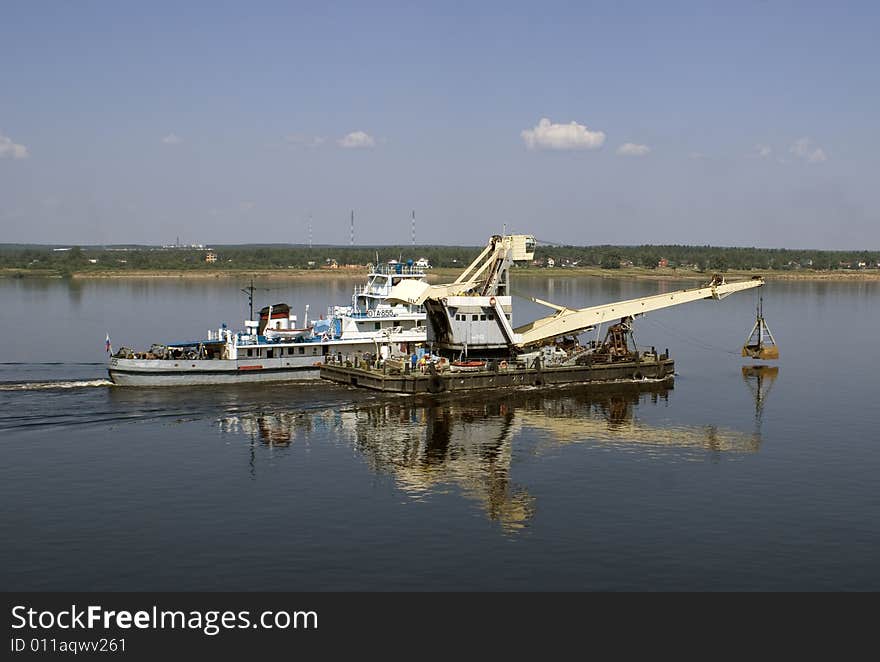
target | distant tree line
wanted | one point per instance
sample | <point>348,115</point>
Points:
<point>245,257</point>
<point>707,258</point>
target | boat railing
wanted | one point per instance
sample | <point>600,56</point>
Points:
<point>398,270</point>
<point>384,313</point>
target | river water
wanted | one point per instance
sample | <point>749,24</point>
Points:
<point>731,480</point>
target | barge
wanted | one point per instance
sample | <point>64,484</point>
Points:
<point>645,369</point>
<point>473,343</point>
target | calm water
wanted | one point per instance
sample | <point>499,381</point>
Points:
<point>727,481</point>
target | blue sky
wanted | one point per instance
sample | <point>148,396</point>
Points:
<point>749,123</point>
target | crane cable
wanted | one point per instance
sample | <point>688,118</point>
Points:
<point>696,341</point>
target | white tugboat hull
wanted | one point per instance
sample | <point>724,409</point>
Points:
<point>142,372</point>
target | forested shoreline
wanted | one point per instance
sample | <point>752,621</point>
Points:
<point>85,260</point>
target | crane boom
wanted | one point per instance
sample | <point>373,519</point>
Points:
<point>486,275</point>
<point>567,322</point>
<point>474,312</point>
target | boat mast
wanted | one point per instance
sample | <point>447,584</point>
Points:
<point>250,294</point>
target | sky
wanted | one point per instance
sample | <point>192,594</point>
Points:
<point>723,123</point>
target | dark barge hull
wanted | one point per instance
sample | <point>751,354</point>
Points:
<point>659,371</point>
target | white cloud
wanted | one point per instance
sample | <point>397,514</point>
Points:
<point>171,139</point>
<point>303,140</point>
<point>547,135</point>
<point>763,151</point>
<point>11,150</point>
<point>357,140</point>
<point>633,149</point>
<point>806,149</point>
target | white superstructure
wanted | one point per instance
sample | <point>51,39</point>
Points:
<point>274,348</point>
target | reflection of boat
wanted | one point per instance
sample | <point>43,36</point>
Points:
<point>273,429</point>
<point>454,440</point>
<point>274,348</point>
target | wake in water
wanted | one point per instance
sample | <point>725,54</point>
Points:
<point>41,386</point>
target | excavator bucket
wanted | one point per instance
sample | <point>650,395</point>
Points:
<point>760,343</point>
<point>763,352</point>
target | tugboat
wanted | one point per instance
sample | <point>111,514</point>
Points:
<point>274,348</point>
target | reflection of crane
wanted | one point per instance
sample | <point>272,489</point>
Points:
<point>760,379</point>
<point>474,312</point>
<point>475,444</point>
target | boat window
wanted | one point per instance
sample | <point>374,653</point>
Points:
<point>250,352</point>
<point>270,353</point>
<point>290,350</point>
<point>491,317</point>
<point>397,324</point>
<point>474,318</point>
<point>315,350</point>
<point>377,325</point>
<point>302,350</point>
<point>482,318</point>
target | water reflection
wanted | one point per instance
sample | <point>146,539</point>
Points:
<point>760,380</point>
<point>431,445</point>
<point>459,443</point>
<point>269,428</point>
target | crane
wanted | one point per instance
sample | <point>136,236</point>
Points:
<point>567,321</point>
<point>474,313</point>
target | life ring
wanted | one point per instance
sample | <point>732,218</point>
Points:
<point>444,301</point>
<point>492,301</point>
<point>435,384</point>
<point>502,365</point>
<point>638,376</point>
